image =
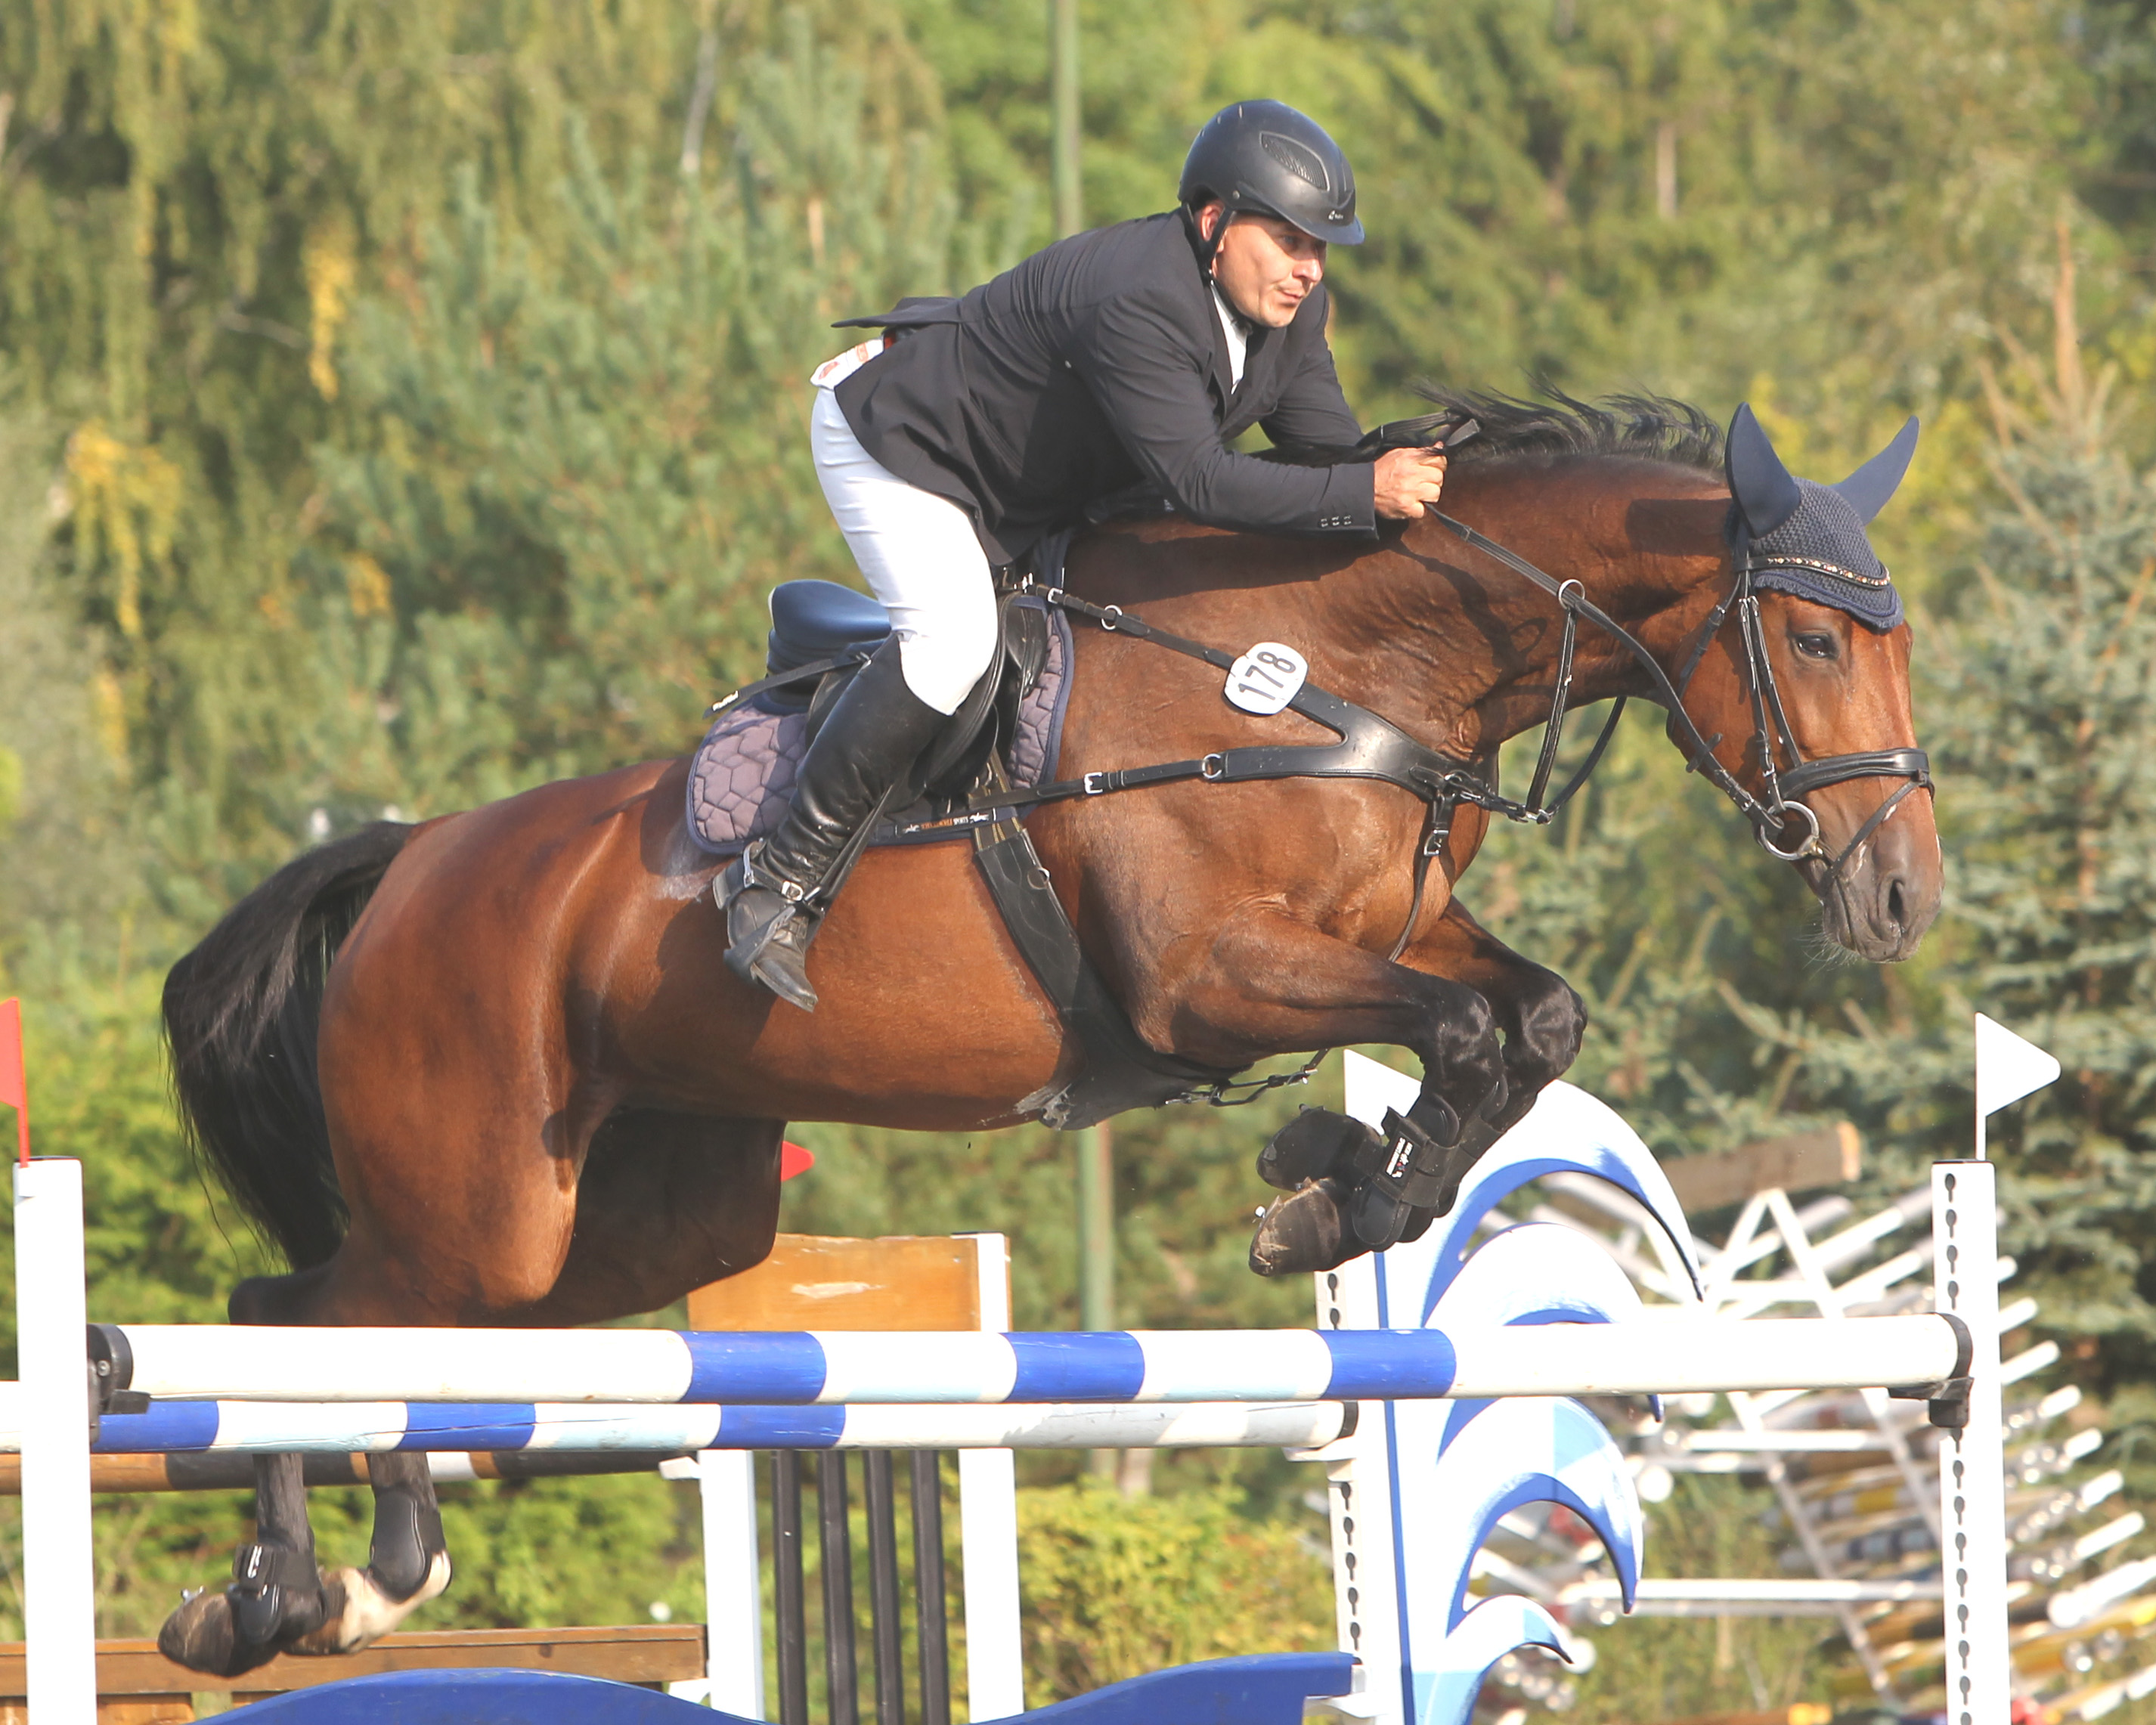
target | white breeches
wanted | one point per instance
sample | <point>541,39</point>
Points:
<point>920,557</point>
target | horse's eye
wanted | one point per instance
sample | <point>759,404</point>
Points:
<point>1815,645</point>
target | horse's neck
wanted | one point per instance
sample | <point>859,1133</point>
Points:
<point>1472,647</point>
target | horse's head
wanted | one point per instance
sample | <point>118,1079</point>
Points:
<point>1801,679</point>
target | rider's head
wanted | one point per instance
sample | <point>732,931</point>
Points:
<point>1268,190</point>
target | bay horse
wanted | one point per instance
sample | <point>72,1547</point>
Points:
<point>490,1070</point>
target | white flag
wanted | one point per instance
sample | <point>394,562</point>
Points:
<point>2008,1067</point>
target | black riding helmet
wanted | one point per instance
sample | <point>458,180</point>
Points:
<point>1265,157</point>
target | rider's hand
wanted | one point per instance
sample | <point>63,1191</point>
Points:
<point>1407,479</point>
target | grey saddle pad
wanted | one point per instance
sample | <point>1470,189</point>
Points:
<point>740,778</point>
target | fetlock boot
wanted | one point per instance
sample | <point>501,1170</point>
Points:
<point>776,893</point>
<point>1351,1189</point>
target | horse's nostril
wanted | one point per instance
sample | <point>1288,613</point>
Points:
<point>1897,903</point>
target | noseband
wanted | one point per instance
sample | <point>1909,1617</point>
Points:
<point>1780,808</point>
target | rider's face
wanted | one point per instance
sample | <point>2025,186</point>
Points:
<point>1266,267</point>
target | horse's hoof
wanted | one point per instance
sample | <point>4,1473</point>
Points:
<point>1304,1232</point>
<point>362,1611</point>
<point>1315,1143</point>
<point>203,1637</point>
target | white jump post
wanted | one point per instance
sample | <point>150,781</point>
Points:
<point>988,1534</point>
<point>60,1612</point>
<point>733,1596</point>
<point>1972,1461</point>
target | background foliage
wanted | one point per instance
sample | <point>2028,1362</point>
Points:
<point>402,404</point>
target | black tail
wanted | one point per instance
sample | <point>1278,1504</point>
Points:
<point>240,1014</point>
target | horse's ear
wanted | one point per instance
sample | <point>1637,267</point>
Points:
<point>1757,481</point>
<point>1872,485</point>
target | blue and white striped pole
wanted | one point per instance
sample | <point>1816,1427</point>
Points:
<point>1673,1355</point>
<point>358,1428</point>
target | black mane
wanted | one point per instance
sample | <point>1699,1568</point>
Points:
<point>1651,428</point>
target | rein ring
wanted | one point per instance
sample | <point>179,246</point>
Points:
<point>1782,815</point>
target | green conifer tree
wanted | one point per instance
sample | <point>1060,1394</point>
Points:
<point>2049,789</point>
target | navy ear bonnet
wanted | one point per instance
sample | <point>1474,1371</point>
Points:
<point>1820,553</point>
<point>1806,539</point>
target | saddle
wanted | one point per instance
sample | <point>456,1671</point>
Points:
<point>740,779</point>
<point>1007,735</point>
<point>819,620</point>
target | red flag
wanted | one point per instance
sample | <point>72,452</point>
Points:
<point>15,1086</point>
<point>793,1160</point>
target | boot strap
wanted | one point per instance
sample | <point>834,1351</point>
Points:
<point>258,1567</point>
<point>1412,1168</point>
<point>753,876</point>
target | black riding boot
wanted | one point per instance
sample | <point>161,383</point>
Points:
<point>776,894</point>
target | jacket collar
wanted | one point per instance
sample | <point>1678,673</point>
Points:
<point>1263,346</point>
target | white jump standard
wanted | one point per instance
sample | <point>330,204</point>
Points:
<point>1439,1393</point>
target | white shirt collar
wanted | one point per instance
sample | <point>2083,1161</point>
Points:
<point>1239,337</point>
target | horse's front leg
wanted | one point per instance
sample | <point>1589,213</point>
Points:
<point>1353,1189</point>
<point>1541,1018</point>
<point>1268,982</point>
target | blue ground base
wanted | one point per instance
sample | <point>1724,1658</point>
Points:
<point>1268,1690</point>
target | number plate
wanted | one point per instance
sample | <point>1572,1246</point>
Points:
<point>1266,678</point>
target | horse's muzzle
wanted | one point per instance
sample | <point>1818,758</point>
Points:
<point>1882,901</point>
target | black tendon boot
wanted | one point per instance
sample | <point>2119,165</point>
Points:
<point>776,892</point>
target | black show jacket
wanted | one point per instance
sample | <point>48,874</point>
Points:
<point>1093,366</point>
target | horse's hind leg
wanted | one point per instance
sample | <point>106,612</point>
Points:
<point>666,1203</point>
<point>279,1601</point>
<point>276,1591</point>
<point>408,1562</point>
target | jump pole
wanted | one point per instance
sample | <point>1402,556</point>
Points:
<point>231,1427</point>
<point>1673,1355</point>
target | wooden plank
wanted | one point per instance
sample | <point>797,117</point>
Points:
<point>107,1473</point>
<point>636,1653</point>
<point>135,1710</point>
<point>1800,1162</point>
<point>815,1282</point>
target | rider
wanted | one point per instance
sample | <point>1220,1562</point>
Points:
<point>1134,353</point>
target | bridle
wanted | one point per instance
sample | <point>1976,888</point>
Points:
<point>1771,815</point>
<point>1771,732</point>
